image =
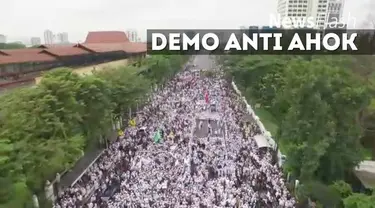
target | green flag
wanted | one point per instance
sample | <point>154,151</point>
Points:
<point>157,137</point>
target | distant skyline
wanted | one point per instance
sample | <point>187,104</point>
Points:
<point>22,19</point>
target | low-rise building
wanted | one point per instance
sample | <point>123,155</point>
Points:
<point>100,47</point>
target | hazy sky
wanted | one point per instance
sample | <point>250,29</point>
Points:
<point>22,19</point>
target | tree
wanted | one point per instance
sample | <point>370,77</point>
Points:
<point>127,87</point>
<point>95,94</point>
<point>45,129</point>
<point>357,200</point>
<point>343,188</point>
<point>319,193</point>
<point>14,45</point>
<point>316,103</point>
<point>320,125</point>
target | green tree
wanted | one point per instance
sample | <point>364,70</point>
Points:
<point>95,94</point>
<point>343,188</point>
<point>320,193</point>
<point>317,102</point>
<point>45,129</point>
<point>357,200</point>
<point>14,45</point>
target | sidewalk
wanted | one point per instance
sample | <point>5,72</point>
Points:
<point>90,156</point>
<point>71,176</point>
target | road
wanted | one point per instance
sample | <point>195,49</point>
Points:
<point>201,168</point>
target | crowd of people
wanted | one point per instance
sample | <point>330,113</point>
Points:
<point>203,159</point>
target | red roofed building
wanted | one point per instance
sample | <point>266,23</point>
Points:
<point>106,37</point>
<point>99,47</point>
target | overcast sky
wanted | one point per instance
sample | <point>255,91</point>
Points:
<point>22,19</point>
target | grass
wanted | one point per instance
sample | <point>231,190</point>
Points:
<point>268,120</point>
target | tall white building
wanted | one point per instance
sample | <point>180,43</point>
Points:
<point>3,38</point>
<point>48,37</point>
<point>335,10</point>
<point>132,35</point>
<point>322,11</point>
<point>62,38</point>
<point>35,41</point>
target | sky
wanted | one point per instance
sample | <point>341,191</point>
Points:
<point>22,19</point>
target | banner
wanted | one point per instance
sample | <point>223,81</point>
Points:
<point>132,123</point>
<point>171,135</point>
<point>157,137</point>
<point>120,133</point>
<point>206,97</point>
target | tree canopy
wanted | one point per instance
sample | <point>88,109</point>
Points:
<point>318,103</point>
<point>45,129</point>
<point>14,45</point>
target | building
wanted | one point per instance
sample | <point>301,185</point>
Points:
<point>335,10</point>
<point>62,38</point>
<point>3,38</point>
<point>35,41</point>
<point>322,11</point>
<point>20,66</point>
<point>132,35</point>
<point>48,37</point>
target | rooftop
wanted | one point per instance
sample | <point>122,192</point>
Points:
<point>96,42</point>
<point>106,37</point>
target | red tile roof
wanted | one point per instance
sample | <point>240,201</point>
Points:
<point>3,53</point>
<point>96,42</point>
<point>127,47</point>
<point>135,47</point>
<point>26,58</point>
<point>56,45</point>
<point>106,37</point>
<point>23,51</point>
<point>65,51</point>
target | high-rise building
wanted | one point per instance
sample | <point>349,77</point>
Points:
<point>35,41</point>
<point>48,37</point>
<point>335,10</point>
<point>62,38</point>
<point>322,11</point>
<point>3,38</point>
<point>132,35</point>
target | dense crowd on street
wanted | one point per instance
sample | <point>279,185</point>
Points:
<point>189,148</point>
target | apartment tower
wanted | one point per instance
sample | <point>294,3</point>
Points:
<point>323,11</point>
<point>49,37</point>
